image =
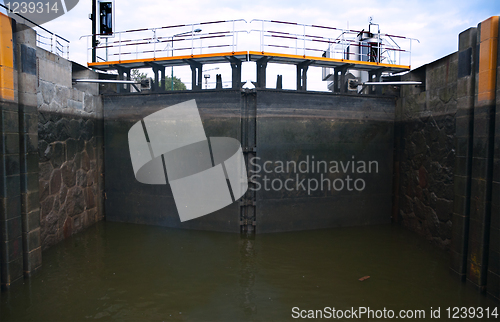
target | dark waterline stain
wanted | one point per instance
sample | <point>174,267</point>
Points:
<point>128,272</point>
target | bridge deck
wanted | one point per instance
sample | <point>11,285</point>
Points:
<point>246,56</point>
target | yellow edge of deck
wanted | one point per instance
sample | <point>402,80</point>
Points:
<point>256,53</point>
<point>146,60</point>
<point>326,59</point>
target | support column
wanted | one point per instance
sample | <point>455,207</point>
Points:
<point>493,276</point>
<point>302,75</point>
<point>463,159</point>
<point>11,245</point>
<point>196,74</point>
<point>482,154</point>
<point>123,74</point>
<point>25,50</point>
<point>218,81</point>
<point>374,76</point>
<point>261,71</point>
<point>339,85</point>
<point>236,72</point>
<point>159,75</point>
<point>279,82</point>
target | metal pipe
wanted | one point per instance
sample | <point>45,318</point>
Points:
<point>94,30</point>
<point>105,81</point>
<point>392,83</point>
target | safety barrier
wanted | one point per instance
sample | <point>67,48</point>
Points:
<point>239,35</point>
<point>45,38</point>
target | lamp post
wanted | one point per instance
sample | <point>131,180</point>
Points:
<point>181,34</point>
<point>207,76</point>
<point>94,30</point>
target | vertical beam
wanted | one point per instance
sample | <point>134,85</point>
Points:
<point>302,75</point>
<point>25,50</point>
<point>261,71</point>
<point>94,30</point>
<point>279,82</point>
<point>123,74</point>
<point>463,160</point>
<point>218,81</point>
<point>196,74</point>
<point>493,277</point>
<point>374,76</point>
<point>335,88</point>
<point>159,75</point>
<point>236,72</point>
<point>249,142</point>
<point>11,248</point>
<point>484,122</point>
<point>342,83</point>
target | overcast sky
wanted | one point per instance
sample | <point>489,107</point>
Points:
<point>436,23</point>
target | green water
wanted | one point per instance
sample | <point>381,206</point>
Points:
<point>126,272</point>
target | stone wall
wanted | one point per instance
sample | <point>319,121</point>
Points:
<point>50,151</point>
<point>70,149</point>
<point>425,151</point>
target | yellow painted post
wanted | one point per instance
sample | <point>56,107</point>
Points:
<point>6,59</point>
<point>482,154</point>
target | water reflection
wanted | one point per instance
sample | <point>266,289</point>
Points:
<point>247,274</point>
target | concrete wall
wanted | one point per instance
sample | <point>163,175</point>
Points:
<point>131,201</point>
<point>20,247</point>
<point>50,151</point>
<point>447,165</point>
<point>298,126</point>
<point>425,150</point>
<point>271,126</point>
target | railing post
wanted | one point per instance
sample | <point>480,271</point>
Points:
<point>154,45</point>
<point>304,40</point>
<point>410,53</point>
<point>233,38</point>
<point>262,38</point>
<point>88,48</point>
<point>379,47</point>
<point>120,46</point>
<point>192,40</point>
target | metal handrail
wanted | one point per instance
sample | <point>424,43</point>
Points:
<point>301,39</point>
<point>53,37</point>
<point>153,38</point>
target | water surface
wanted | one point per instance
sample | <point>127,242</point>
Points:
<point>127,272</point>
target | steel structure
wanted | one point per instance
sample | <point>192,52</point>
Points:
<point>259,41</point>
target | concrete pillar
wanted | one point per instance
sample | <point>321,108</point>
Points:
<point>279,82</point>
<point>196,74</point>
<point>236,72</point>
<point>159,77</point>
<point>25,51</point>
<point>463,143</point>
<point>340,85</point>
<point>302,75</point>
<point>493,277</point>
<point>261,72</point>
<point>482,153</point>
<point>218,81</point>
<point>11,245</point>
<point>123,74</point>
